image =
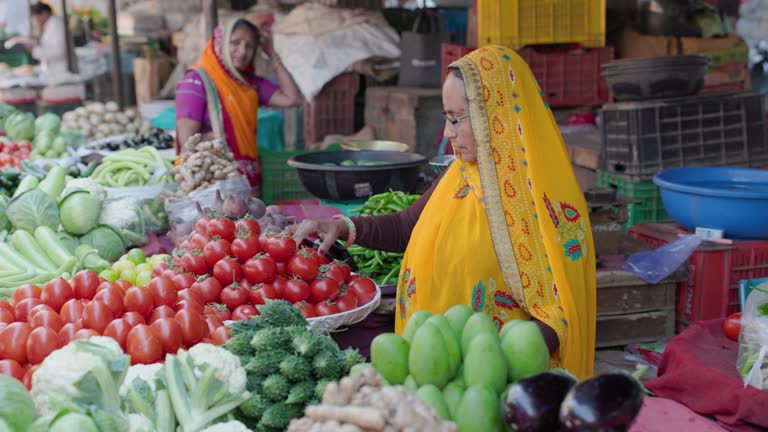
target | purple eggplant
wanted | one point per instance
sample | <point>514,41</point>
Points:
<point>533,404</point>
<point>606,403</point>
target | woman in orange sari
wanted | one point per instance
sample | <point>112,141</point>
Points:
<point>506,229</point>
<point>220,96</point>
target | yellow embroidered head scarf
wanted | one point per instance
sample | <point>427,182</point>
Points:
<point>508,235</point>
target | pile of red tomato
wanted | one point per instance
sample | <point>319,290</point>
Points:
<point>147,321</point>
<point>13,154</point>
<point>220,273</point>
<point>232,267</point>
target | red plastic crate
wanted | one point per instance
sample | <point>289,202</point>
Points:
<point>450,52</point>
<point>714,272</point>
<point>568,77</point>
<point>332,111</point>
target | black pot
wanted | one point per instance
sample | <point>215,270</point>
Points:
<point>342,183</point>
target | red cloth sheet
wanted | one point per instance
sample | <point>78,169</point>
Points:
<point>698,370</point>
<point>664,415</point>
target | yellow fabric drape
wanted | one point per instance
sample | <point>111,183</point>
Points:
<point>508,235</point>
<point>236,97</point>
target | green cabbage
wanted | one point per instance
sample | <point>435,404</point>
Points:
<point>43,142</point>
<point>68,139</point>
<point>74,421</point>
<point>32,209</point>
<point>5,112</point>
<point>107,240</point>
<point>47,122</point>
<point>20,126</point>
<point>79,212</point>
<point>69,241</point>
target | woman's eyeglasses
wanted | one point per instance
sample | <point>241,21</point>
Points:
<point>454,121</point>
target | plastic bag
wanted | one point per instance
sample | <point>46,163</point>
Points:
<point>653,266</point>
<point>149,200</point>
<point>752,361</point>
<point>184,212</point>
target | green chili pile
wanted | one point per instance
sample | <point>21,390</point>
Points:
<point>382,267</point>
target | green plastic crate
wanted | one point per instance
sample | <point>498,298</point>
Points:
<point>280,182</point>
<point>650,210</point>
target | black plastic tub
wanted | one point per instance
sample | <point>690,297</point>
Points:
<point>341,183</point>
<point>656,78</point>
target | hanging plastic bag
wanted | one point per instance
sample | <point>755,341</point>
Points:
<point>654,266</point>
<point>752,361</point>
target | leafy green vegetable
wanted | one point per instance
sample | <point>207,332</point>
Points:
<point>68,139</point>
<point>16,406</point>
<point>204,384</point>
<point>5,224</point>
<point>5,112</point>
<point>48,122</point>
<point>105,239</point>
<point>82,377</point>
<point>144,392</point>
<point>125,216</point>
<point>20,126</point>
<point>32,209</point>
<point>44,141</point>
<point>79,212</point>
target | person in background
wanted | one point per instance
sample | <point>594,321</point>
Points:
<point>506,229</point>
<point>220,96</point>
<point>14,17</point>
<point>50,49</point>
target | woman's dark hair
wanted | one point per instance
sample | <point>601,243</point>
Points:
<point>244,23</point>
<point>40,8</point>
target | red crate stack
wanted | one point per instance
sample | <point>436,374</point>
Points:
<point>714,272</point>
<point>570,77</point>
<point>332,111</point>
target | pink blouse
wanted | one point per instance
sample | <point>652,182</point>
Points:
<point>191,102</point>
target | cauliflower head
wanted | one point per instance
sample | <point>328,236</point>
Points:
<point>98,360</point>
<point>227,365</point>
<point>150,373</point>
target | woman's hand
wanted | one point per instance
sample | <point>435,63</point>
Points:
<point>328,230</point>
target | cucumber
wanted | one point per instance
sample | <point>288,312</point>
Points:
<point>26,244</point>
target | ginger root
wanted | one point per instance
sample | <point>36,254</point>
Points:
<point>359,403</point>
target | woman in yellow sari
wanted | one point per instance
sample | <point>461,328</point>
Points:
<point>506,229</point>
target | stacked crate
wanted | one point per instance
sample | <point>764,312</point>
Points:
<point>711,290</point>
<point>563,41</point>
<point>332,111</point>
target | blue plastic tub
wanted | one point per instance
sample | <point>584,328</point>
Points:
<point>734,200</point>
